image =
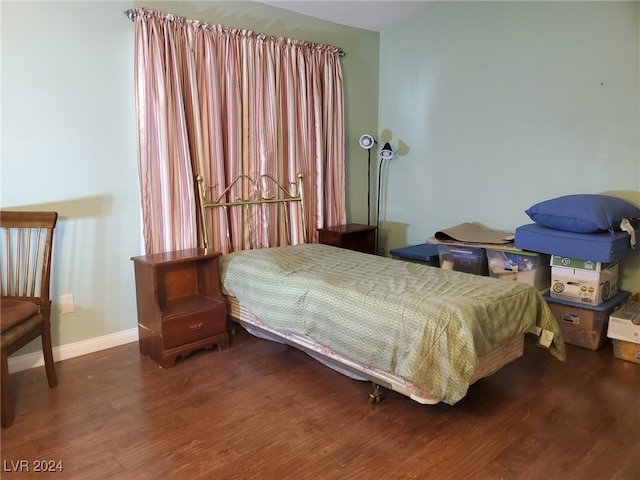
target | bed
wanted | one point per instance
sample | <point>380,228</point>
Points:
<point>424,332</point>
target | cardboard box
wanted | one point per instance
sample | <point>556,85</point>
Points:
<point>583,325</point>
<point>624,324</point>
<point>626,350</point>
<point>583,281</point>
<point>527,267</point>
<point>463,258</point>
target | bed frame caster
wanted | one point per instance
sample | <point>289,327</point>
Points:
<point>376,395</point>
<point>232,327</point>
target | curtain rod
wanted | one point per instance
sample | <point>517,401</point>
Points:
<point>131,15</point>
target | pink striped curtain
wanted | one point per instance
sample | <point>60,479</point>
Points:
<point>222,102</point>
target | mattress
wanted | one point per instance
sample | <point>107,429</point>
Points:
<point>510,350</point>
<point>597,247</point>
<point>421,323</point>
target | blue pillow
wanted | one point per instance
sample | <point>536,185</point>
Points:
<point>583,213</point>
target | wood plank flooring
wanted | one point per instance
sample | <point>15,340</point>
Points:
<point>261,410</point>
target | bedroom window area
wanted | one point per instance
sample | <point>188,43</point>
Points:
<point>224,102</point>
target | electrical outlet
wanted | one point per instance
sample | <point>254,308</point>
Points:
<point>66,304</point>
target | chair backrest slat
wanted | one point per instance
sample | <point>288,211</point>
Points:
<point>26,254</point>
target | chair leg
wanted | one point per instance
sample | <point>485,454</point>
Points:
<point>8,412</point>
<point>47,351</point>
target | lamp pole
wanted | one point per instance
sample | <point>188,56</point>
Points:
<point>385,154</point>
<point>369,188</point>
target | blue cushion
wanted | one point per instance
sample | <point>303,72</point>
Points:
<point>597,247</point>
<point>583,213</point>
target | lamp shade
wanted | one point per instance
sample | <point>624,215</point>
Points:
<point>386,153</point>
<point>367,141</point>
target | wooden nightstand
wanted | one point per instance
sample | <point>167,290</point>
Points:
<point>352,236</point>
<point>180,304</point>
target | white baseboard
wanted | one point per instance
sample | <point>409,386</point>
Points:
<point>63,352</point>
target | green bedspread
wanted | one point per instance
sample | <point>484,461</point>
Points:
<point>424,324</point>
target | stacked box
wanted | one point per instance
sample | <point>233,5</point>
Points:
<point>624,330</point>
<point>463,258</point>
<point>585,325</point>
<point>626,350</point>
<point>583,281</point>
<point>527,267</point>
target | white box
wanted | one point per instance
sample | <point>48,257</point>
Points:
<point>624,323</point>
<point>583,281</point>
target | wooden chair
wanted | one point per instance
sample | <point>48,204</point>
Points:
<point>26,241</point>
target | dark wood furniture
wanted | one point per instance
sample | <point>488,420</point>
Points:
<point>353,236</point>
<point>180,304</point>
<point>26,243</point>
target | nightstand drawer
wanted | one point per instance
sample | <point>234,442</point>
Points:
<point>191,327</point>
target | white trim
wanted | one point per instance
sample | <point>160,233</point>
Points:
<point>64,352</point>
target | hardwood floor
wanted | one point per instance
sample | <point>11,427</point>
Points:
<point>261,410</point>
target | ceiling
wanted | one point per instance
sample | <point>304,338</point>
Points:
<point>370,15</point>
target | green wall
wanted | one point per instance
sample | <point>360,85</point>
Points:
<point>68,136</point>
<point>495,106</point>
<point>492,106</point>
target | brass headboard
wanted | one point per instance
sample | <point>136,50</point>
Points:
<point>258,193</point>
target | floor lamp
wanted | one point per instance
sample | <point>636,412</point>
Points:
<point>386,154</point>
<point>367,142</point>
